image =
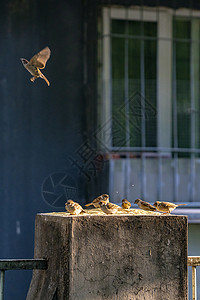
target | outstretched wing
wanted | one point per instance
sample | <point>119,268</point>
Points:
<point>39,60</point>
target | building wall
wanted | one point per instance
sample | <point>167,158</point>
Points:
<point>40,127</point>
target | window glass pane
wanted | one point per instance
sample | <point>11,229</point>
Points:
<point>150,54</point>
<point>118,116</point>
<point>134,61</point>
<point>183,93</point>
<point>150,29</point>
<point>182,52</point>
<point>134,74</point>
<point>134,28</point>
<point>181,29</point>
<point>118,26</point>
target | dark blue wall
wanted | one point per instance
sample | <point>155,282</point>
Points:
<point>40,127</point>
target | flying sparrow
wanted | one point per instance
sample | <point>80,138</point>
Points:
<point>126,204</point>
<point>144,205</point>
<point>166,207</point>
<point>96,201</point>
<point>73,208</point>
<point>37,62</point>
<point>109,208</point>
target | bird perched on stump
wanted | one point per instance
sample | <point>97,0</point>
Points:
<point>144,205</point>
<point>37,62</point>
<point>166,207</point>
<point>109,208</point>
<point>96,201</point>
<point>126,204</point>
<point>73,208</point>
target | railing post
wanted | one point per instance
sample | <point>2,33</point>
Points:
<point>194,283</point>
<point>2,279</point>
<point>19,264</point>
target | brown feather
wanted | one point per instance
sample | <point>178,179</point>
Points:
<point>39,60</point>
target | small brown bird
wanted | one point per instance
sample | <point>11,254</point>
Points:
<point>73,208</point>
<point>166,207</point>
<point>37,62</point>
<point>109,208</point>
<point>144,205</point>
<point>126,204</point>
<point>96,201</point>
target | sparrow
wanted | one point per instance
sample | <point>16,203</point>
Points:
<point>96,201</point>
<point>73,208</point>
<point>109,208</point>
<point>37,62</point>
<point>126,204</point>
<point>166,207</point>
<point>144,205</point>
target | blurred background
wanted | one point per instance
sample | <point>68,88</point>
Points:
<point>121,116</point>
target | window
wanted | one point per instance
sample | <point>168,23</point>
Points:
<point>134,74</point>
<point>150,70</point>
<point>186,82</point>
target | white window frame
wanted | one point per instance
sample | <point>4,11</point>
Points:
<point>164,18</point>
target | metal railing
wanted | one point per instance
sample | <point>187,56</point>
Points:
<point>194,261</point>
<point>30,264</point>
<point>18,264</point>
